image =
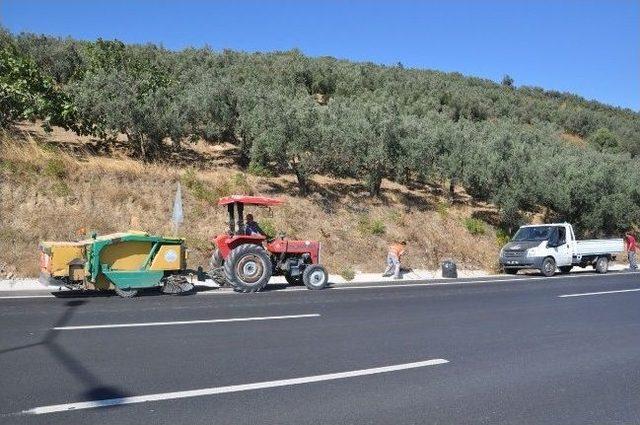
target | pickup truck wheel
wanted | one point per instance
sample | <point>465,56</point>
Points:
<point>565,269</point>
<point>548,267</point>
<point>602,265</point>
<point>511,271</point>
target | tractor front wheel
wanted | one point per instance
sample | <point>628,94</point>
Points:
<point>315,277</point>
<point>248,268</point>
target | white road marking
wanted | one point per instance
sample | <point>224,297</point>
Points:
<point>19,297</point>
<point>228,389</point>
<point>586,294</point>
<point>186,322</point>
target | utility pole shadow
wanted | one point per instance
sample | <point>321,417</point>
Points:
<point>95,388</point>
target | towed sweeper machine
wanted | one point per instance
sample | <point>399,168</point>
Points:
<point>124,262</point>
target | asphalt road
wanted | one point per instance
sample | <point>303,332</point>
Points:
<point>511,351</point>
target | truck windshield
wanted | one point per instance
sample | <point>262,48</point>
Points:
<point>538,233</point>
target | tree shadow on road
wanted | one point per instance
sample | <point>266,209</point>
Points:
<point>95,389</point>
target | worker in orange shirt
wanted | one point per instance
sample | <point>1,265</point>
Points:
<point>394,255</point>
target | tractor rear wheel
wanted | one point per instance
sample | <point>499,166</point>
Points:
<point>315,277</point>
<point>248,268</point>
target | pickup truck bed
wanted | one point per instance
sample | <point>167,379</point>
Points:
<point>598,247</point>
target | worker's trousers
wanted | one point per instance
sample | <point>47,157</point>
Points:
<point>393,265</point>
<point>633,264</point>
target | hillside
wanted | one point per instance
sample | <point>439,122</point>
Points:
<point>365,153</point>
<point>53,184</point>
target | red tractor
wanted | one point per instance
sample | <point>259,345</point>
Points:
<point>247,261</point>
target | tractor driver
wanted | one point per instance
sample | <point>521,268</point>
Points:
<point>252,227</point>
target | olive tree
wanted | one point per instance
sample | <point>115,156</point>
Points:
<point>286,135</point>
<point>119,93</point>
<point>28,94</point>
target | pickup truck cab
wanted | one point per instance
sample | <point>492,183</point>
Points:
<point>549,247</point>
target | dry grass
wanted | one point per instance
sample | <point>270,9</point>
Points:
<point>574,140</point>
<point>53,185</point>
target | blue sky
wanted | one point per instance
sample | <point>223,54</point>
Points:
<point>587,47</point>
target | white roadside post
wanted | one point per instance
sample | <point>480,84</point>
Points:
<point>177,217</point>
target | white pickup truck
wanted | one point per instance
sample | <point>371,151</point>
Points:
<point>548,247</point>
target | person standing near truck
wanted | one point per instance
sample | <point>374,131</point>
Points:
<point>631,246</point>
<point>394,256</point>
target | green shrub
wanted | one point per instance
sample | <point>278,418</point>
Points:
<point>502,237</point>
<point>363,224</point>
<point>268,228</point>
<point>8,166</point>
<point>55,168</point>
<point>189,178</point>
<point>442,208</point>
<point>240,184</point>
<point>239,179</point>
<point>348,274</point>
<point>197,188</point>
<point>375,227</point>
<point>221,189</point>
<point>60,188</point>
<point>259,170</point>
<point>475,226</point>
<point>396,217</point>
